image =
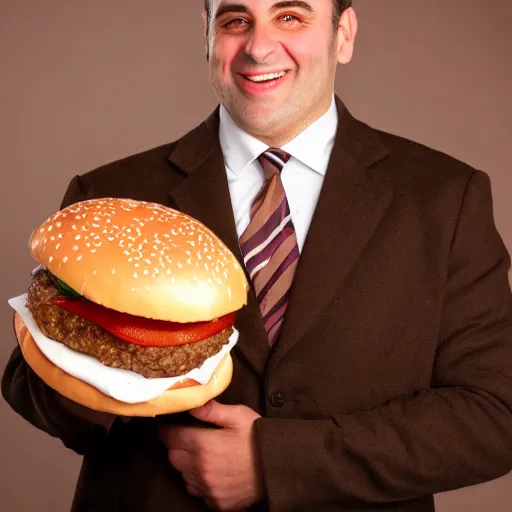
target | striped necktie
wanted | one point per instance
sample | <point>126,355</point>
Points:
<point>269,244</point>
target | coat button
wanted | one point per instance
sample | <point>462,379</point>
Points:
<point>276,399</point>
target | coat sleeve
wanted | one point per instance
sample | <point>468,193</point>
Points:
<point>456,433</point>
<point>79,428</point>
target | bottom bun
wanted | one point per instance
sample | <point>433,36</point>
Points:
<point>182,397</point>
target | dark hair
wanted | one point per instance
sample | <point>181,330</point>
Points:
<point>338,6</point>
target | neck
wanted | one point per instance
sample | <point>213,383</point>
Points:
<point>279,137</point>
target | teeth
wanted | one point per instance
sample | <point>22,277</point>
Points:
<point>268,76</point>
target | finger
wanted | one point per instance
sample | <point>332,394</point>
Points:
<point>217,505</point>
<point>194,491</point>
<point>218,414</point>
<point>194,480</point>
<point>183,438</point>
<point>181,460</point>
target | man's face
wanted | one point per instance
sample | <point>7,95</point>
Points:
<point>273,63</point>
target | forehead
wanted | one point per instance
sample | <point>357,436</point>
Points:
<point>249,5</point>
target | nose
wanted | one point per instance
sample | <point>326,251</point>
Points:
<point>260,44</point>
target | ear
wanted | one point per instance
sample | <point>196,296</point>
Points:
<point>346,35</point>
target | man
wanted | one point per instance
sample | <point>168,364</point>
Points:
<point>388,378</point>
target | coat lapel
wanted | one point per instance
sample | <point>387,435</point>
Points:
<point>349,209</point>
<point>204,195</point>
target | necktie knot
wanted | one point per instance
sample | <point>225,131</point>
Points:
<point>273,160</point>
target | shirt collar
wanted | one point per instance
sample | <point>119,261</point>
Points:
<point>310,147</point>
<point>239,148</point>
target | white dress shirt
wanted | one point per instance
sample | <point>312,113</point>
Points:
<point>302,176</point>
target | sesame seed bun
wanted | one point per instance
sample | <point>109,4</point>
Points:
<point>141,258</point>
<point>187,396</point>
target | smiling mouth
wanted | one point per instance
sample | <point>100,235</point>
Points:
<point>267,77</point>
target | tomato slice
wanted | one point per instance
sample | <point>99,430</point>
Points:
<point>145,331</point>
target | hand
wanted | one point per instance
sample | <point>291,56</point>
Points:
<point>220,465</point>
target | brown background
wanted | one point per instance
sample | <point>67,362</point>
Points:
<point>84,83</point>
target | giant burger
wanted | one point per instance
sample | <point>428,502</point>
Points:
<point>139,287</point>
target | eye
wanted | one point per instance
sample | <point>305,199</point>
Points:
<point>236,24</point>
<point>289,19</point>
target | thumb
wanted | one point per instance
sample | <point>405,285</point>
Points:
<point>218,414</point>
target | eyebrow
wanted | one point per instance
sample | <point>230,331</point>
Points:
<point>224,8</point>
<point>285,4</point>
<point>292,3</point>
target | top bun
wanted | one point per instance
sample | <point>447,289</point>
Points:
<point>141,258</point>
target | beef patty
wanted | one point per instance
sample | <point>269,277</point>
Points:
<point>84,336</point>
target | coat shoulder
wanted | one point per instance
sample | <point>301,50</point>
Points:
<point>410,161</point>
<point>145,165</point>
